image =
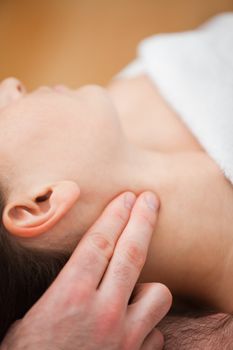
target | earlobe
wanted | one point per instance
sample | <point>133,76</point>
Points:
<point>29,217</point>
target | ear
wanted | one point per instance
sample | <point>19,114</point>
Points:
<point>29,217</point>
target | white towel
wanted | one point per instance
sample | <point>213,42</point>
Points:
<point>194,72</point>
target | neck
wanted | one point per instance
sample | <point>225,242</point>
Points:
<point>142,170</point>
<point>136,170</point>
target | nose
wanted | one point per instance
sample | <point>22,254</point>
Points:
<point>11,89</point>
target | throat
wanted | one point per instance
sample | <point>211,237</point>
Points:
<point>147,119</point>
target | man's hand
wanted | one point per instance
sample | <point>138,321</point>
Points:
<point>87,307</point>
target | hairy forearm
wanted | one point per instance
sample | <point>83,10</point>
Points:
<point>193,332</point>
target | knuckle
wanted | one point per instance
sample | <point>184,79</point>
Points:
<point>109,319</point>
<point>111,315</point>
<point>166,295</point>
<point>90,258</point>
<point>159,288</point>
<point>100,242</point>
<point>161,298</point>
<point>122,272</point>
<point>77,297</point>
<point>135,254</point>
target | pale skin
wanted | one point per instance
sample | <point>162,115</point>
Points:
<point>137,143</point>
<point>93,310</point>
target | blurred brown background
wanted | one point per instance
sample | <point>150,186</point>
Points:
<point>82,41</point>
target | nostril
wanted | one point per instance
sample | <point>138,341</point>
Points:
<point>11,90</point>
<point>19,88</point>
<point>13,84</point>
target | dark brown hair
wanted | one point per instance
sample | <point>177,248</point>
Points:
<point>24,275</point>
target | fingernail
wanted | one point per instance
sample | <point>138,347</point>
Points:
<point>151,201</point>
<point>129,200</point>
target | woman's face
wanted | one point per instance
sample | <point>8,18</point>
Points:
<point>56,131</point>
<point>55,134</point>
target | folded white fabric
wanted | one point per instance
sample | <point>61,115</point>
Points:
<point>194,72</point>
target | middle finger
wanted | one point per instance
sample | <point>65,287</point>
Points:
<point>131,250</point>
